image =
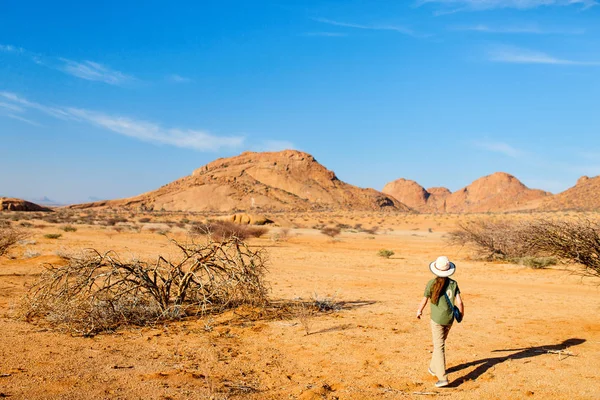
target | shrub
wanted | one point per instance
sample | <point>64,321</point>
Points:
<point>52,235</point>
<point>143,220</point>
<point>69,228</point>
<point>493,239</point>
<point>575,241</point>
<point>97,292</point>
<point>536,262</point>
<point>386,253</point>
<point>224,230</point>
<point>9,237</point>
<point>331,231</point>
<point>30,253</point>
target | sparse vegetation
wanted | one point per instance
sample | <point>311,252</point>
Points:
<point>386,253</point>
<point>9,237</point>
<point>96,292</point>
<point>69,228</point>
<point>52,235</point>
<point>331,231</point>
<point>537,244</point>
<point>223,230</point>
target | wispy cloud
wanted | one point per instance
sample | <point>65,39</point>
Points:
<point>175,78</point>
<point>479,5</point>
<point>498,147</point>
<point>516,55</point>
<point>516,29</point>
<point>22,119</point>
<point>137,129</point>
<point>326,34</point>
<point>88,70</point>
<point>93,71</point>
<point>10,49</point>
<point>395,28</point>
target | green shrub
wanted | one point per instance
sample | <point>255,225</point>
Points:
<point>538,262</point>
<point>69,228</point>
<point>386,253</point>
<point>52,235</point>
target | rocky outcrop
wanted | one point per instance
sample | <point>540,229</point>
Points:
<point>271,181</point>
<point>12,204</point>
<point>416,197</point>
<point>493,193</point>
<point>584,196</point>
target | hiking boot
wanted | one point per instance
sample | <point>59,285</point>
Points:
<point>440,384</point>
<point>430,372</point>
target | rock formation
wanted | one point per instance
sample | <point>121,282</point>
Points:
<point>11,204</point>
<point>493,193</point>
<point>585,196</point>
<point>271,181</point>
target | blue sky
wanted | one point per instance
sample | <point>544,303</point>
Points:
<point>114,98</point>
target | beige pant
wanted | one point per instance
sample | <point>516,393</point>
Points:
<point>438,359</point>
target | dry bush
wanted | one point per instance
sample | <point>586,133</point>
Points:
<point>97,292</point>
<point>223,230</point>
<point>493,239</point>
<point>9,237</point>
<point>535,243</point>
<point>576,241</point>
<point>331,231</point>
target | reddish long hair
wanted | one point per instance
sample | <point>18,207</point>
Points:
<point>436,289</point>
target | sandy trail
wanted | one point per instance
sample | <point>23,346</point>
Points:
<point>373,348</point>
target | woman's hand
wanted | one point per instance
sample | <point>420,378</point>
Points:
<point>421,307</point>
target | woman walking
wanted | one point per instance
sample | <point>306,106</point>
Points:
<point>443,293</point>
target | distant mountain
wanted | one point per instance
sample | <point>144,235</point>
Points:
<point>585,196</point>
<point>415,196</point>
<point>493,193</point>
<point>45,201</point>
<point>271,181</point>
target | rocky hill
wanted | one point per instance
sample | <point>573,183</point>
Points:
<point>415,196</point>
<point>270,181</point>
<point>585,195</point>
<point>493,193</point>
<point>12,204</point>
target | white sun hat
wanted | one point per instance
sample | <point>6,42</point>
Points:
<point>442,267</point>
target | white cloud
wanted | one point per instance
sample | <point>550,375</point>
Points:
<point>499,147</point>
<point>93,71</point>
<point>516,29</point>
<point>175,78</point>
<point>516,55</point>
<point>88,70</point>
<point>10,49</point>
<point>477,5</point>
<point>326,34</point>
<point>11,107</point>
<point>395,28</point>
<point>141,130</point>
<point>22,119</point>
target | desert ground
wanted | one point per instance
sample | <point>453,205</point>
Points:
<point>527,333</point>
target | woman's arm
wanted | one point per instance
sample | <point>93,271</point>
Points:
<point>460,304</point>
<point>421,307</point>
